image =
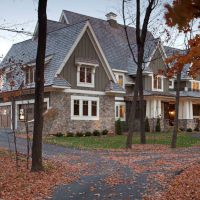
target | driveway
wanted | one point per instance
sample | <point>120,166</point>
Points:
<point>113,174</point>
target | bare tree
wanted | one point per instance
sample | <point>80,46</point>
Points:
<point>39,88</point>
<point>141,34</point>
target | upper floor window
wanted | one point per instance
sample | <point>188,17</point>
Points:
<point>195,85</point>
<point>85,76</point>
<point>157,83</point>
<point>30,75</point>
<point>171,83</point>
<point>120,79</point>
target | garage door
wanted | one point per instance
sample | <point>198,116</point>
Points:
<point>5,116</point>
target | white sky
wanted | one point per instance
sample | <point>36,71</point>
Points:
<point>24,13</point>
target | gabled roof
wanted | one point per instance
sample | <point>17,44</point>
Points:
<point>113,41</point>
<point>59,43</point>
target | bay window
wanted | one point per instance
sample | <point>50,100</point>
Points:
<point>157,83</point>
<point>195,85</point>
<point>84,108</point>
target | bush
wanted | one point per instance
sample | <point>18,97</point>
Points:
<point>87,134</point>
<point>189,130</point>
<point>181,129</point>
<point>59,134</point>
<point>70,134</point>
<point>104,132</point>
<point>158,129</point>
<point>196,128</point>
<point>118,127</point>
<point>96,133</point>
<point>147,127</point>
<point>79,134</point>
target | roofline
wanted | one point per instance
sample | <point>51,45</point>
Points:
<point>87,25</point>
<point>65,17</point>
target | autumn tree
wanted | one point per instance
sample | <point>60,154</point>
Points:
<point>181,14</point>
<point>138,57</point>
<point>39,88</point>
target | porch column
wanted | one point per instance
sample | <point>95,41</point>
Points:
<point>191,110</point>
<point>180,112</point>
<point>148,108</point>
<point>158,108</point>
<point>188,110</point>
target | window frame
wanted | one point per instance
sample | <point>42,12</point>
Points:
<point>196,82</point>
<point>28,72</point>
<point>81,100</point>
<point>117,75</point>
<point>162,83</point>
<point>117,111</point>
<point>172,86</point>
<point>85,83</point>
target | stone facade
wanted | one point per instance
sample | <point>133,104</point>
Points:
<point>62,121</point>
<point>187,123</point>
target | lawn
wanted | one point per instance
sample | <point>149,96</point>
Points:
<point>118,141</point>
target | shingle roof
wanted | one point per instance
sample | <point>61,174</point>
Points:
<point>59,43</point>
<point>113,87</point>
<point>170,51</point>
<point>113,41</point>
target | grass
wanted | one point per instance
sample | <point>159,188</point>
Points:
<point>118,141</point>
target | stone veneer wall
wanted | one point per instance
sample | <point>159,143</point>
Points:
<point>63,123</point>
<point>187,123</point>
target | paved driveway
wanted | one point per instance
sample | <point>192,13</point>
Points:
<point>112,174</point>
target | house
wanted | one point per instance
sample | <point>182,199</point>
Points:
<point>90,77</point>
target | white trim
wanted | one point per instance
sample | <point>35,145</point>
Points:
<point>84,92</point>
<point>119,70</point>
<point>85,84</point>
<point>172,80</point>
<point>81,99</point>
<point>117,74</point>
<point>117,106</point>
<point>119,98</point>
<point>162,83</point>
<point>31,101</point>
<point>87,63</point>
<point>87,25</point>
<point>65,18</point>
<point>6,104</point>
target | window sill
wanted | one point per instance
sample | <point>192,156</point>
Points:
<point>85,85</point>
<point>85,118</point>
<point>157,90</point>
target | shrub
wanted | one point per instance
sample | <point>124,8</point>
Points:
<point>79,134</point>
<point>104,132</point>
<point>181,129</point>
<point>189,130</point>
<point>196,128</point>
<point>158,129</point>
<point>118,127</point>
<point>70,134</point>
<point>58,134</point>
<point>87,134</point>
<point>147,127</point>
<point>96,133</point>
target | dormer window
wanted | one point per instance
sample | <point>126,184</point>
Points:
<point>120,79</point>
<point>30,75</point>
<point>86,72</point>
<point>157,83</point>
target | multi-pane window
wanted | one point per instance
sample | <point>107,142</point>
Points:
<point>120,111</point>
<point>157,82</point>
<point>195,86</point>
<point>85,108</point>
<point>85,76</point>
<point>30,75</point>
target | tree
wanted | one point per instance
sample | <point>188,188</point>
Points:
<point>141,34</point>
<point>181,14</point>
<point>39,88</point>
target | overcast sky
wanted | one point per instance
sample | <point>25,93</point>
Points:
<point>24,12</point>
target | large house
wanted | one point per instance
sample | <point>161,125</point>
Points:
<point>90,77</point>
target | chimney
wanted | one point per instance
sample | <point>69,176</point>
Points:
<point>111,18</point>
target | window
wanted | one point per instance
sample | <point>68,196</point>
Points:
<point>120,111</point>
<point>195,85</point>
<point>120,79</point>
<point>84,108</point>
<point>171,83</point>
<point>85,76</point>
<point>157,83</point>
<point>30,75</point>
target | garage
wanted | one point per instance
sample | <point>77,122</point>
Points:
<point>5,116</point>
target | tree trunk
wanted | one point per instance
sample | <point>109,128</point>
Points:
<point>174,136</point>
<point>132,112</point>
<point>39,88</point>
